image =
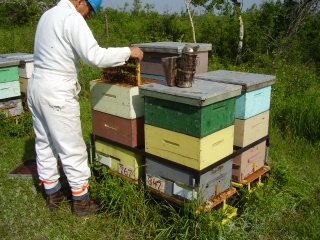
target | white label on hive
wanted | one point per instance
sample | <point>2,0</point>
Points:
<point>155,183</point>
<point>126,170</point>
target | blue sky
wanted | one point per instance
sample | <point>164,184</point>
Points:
<point>163,5</point>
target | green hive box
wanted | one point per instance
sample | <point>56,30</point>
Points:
<point>189,119</point>
<point>8,70</point>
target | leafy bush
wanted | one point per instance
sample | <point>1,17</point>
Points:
<point>22,12</point>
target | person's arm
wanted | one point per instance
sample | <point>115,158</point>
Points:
<point>86,46</point>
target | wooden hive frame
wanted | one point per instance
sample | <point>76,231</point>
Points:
<point>129,73</point>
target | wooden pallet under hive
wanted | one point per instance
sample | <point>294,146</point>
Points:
<point>249,180</point>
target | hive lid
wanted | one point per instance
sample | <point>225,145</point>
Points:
<point>170,47</point>
<point>202,93</point>
<point>248,81</point>
<point>6,62</point>
<point>22,57</point>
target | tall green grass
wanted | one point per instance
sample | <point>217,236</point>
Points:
<point>286,207</point>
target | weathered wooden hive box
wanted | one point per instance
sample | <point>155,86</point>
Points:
<point>252,106</point>
<point>185,183</point>
<point>183,148</point>
<point>155,51</point>
<point>126,131</point>
<point>119,160</point>
<point>25,68</point>
<point>11,107</point>
<point>249,161</point>
<point>118,100</point>
<point>9,78</point>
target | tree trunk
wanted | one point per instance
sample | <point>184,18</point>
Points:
<point>187,2</point>
<point>240,44</point>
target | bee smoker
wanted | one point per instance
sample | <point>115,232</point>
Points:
<point>187,66</point>
<point>179,71</point>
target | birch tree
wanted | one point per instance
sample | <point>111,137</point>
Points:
<point>237,5</point>
<point>187,3</point>
<point>218,4</point>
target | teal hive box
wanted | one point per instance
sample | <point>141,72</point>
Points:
<point>256,90</point>
<point>9,89</point>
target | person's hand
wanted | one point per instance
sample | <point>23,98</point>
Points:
<point>136,53</point>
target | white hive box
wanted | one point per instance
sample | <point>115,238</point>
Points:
<point>9,89</point>
<point>26,63</point>
<point>250,130</point>
<point>121,101</point>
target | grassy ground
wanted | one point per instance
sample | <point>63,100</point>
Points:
<point>285,208</point>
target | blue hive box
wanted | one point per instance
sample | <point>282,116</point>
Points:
<point>256,90</point>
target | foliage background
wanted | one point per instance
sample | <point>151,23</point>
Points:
<point>285,208</point>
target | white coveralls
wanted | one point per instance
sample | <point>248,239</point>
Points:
<point>62,39</point>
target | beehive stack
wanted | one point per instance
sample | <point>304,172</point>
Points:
<point>118,115</point>
<point>191,130</point>
<point>10,95</point>
<point>252,119</point>
<point>25,68</point>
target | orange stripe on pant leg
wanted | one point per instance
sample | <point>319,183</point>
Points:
<point>82,190</point>
<point>47,183</point>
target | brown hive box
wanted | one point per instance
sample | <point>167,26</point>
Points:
<point>118,108</point>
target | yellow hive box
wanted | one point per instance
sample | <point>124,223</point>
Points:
<point>23,84</point>
<point>196,153</point>
<point>250,130</point>
<point>120,160</point>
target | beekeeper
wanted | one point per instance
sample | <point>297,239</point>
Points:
<point>62,39</point>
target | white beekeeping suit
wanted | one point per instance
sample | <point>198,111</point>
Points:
<point>62,39</point>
